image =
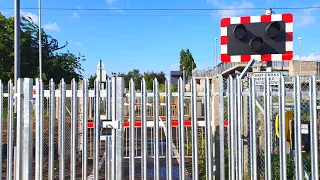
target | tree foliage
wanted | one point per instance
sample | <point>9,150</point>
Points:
<point>187,62</point>
<point>137,78</point>
<point>91,80</point>
<point>56,65</point>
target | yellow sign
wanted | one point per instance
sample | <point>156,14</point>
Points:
<point>288,117</point>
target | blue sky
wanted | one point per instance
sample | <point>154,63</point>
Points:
<point>152,40</point>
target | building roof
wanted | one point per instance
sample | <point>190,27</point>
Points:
<point>175,73</point>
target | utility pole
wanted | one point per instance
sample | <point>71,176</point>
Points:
<point>16,72</point>
<point>184,74</point>
<point>100,74</point>
<point>40,42</point>
<point>16,42</point>
<point>300,39</point>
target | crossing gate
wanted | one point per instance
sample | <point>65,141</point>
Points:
<point>235,138</point>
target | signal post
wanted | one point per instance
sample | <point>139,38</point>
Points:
<point>266,38</point>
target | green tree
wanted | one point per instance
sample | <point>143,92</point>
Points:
<point>91,80</point>
<point>150,76</point>
<point>187,62</point>
<point>136,77</point>
<point>55,65</point>
<point>162,88</point>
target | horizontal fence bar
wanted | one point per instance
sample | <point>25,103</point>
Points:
<point>174,94</point>
<point>103,94</point>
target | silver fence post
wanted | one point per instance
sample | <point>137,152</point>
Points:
<point>1,124</point>
<point>313,128</point>
<point>62,129</point>
<point>41,125</point>
<point>39,129</point>
<point>238,129</point>
<point>267,121</point>
<point>96,129</point>
<point>119,132</point>
<point>113,131</point>
<point>194,119</point>
<point>10,131</point>
<point>19,100</point>
<point>231,128</point>
<point>297,127</point>
<point>208,130</point>
<point>144,147</point>
<point>253,138</point>
<point>181,129</point>
<point>221,126</point>
<point>24,127</point>
<point>52,127</point>
<point>283,158</point>
<point>108,101</point>
<point>108,158</point>
<point>73,128</point>
<point>169,131</point>
<point>132,130</point>
<point>156,128</point>
<point>85,130</point>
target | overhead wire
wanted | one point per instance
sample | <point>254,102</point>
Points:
<point>163,15</point>
<point>121,11</point>
<point>160,9</point>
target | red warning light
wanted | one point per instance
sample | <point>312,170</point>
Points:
<point>225,123</point>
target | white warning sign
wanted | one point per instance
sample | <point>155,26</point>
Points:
<point>260,77</point>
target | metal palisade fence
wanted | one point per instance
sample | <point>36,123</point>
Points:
<point>220,128</point>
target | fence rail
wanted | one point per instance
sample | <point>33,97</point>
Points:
<point>140,135</point>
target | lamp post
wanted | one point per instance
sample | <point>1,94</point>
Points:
<point>216,55</point>
<point>40,42</point>
<point>300,39</point>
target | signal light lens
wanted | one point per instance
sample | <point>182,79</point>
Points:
<point>273,29</point>
<point>240,31</point>
<point>256,43</point>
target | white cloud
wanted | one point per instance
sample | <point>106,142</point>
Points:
<point>75,15</point>
<point>307,17</point>
<point>34,17</point>
<point>236,9</point>
<point>110,1</point>
<point>52,27</point>
<point>310,57</point>
<point>76,42</point>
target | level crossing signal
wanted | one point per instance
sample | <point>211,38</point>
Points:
<point>263,38</point>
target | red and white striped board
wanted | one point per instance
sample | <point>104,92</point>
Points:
<point>174,123</point>
<point>287,18</point>
<point>126,124</point>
